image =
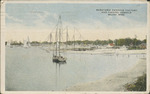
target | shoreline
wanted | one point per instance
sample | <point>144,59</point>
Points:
<point>114,82</point>
<point>111,51</point>
<point>99,51</point>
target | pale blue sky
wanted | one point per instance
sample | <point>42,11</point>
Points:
<point>82,16</point>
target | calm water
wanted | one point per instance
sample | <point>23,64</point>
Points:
<point>32,69</point>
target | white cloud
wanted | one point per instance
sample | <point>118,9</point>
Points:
<point>13,18</point>
<point>125,22</point>
<point>41,17</point>
<point>94,29</point>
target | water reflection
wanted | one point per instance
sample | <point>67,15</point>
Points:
<point>58,73</point>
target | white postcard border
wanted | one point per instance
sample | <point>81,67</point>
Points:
<point>2,50</point>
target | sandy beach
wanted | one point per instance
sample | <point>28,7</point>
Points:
<point>113,82</point>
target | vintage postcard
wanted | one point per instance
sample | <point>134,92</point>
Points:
<point>74,46</point>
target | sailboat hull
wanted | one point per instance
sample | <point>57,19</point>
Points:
<point>59,59</point>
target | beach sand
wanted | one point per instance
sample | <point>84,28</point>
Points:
<point>113,82</point>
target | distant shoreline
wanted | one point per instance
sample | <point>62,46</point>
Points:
<point>113,82</point>
<point>111,51</point>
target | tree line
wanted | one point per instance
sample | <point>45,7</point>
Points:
<point>116,42</point>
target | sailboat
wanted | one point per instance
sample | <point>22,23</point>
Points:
<point>9,44</point>
<point>26,43</point>
<point>57,57</point>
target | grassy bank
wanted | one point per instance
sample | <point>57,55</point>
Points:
<point>138,85</point>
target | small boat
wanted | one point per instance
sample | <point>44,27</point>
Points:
<point>59,59</point>
<point>123,47</point>
<point>9,44</point>
<point>26,43</point>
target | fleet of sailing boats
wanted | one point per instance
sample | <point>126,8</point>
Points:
<point>57,54</point>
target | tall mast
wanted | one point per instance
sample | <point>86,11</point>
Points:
<point>56,38</point>
<point>74,38</point>
<point>50,36</point>
<point>135,40</point>
<point>66,37</point>
<point>28,41</point>
<point>59,41</point>
<point>60,27</point>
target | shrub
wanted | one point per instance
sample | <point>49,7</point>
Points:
<point>138,85</point>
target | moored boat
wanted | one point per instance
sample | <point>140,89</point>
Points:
<point>57,57</point>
